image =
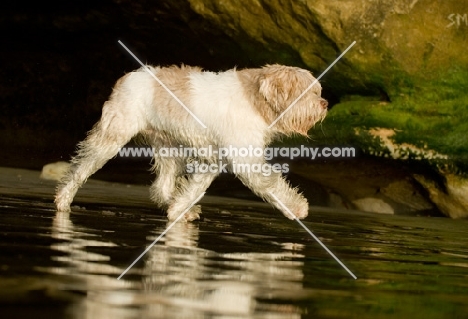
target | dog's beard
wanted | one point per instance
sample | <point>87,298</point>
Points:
<point>301,118</point>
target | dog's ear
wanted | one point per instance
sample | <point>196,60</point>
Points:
<point>280,85</point>
<point>276,84</point>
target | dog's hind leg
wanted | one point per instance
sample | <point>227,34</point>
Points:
<point>188,190</point>
<point>103,142</point>
<point>276,190</point>
<point>163,188</point>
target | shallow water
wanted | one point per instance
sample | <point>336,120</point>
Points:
<point>243,260</point>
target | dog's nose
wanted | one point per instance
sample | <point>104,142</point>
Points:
<point>324,103</point>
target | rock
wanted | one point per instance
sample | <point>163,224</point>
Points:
<point>368,184</point>
<point>54,171</point>
<point>404,193</point>
<point>337,201</point>
<point>385,138</point>
<point>398,42</point>
<point>453,200</point>
<point>373,205</point>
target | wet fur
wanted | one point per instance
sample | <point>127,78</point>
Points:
<point>237,106</point>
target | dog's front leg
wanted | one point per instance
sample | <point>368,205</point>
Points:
<point>188,190</point>
<point>273,188</point>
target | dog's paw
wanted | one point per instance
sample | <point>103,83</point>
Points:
<point>62,204</point>
<point>193,213</point>
<point>299,210</point>
<point>301,213</point>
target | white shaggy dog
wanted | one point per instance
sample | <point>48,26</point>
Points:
<point>237,107</point>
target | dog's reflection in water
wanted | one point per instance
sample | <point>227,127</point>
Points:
<point>182,278</point>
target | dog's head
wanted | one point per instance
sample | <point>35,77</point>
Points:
<point>294,104</point>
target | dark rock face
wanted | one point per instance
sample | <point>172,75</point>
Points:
<point>60,61</point>
<point>399,92</point>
